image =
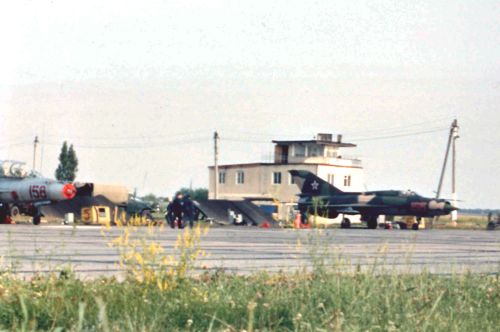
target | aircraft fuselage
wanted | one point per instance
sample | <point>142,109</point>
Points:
<point>370,204</point>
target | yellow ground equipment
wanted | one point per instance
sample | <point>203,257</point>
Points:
<point>96,214</point>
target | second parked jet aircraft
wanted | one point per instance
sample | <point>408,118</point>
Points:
<point>319,196</point>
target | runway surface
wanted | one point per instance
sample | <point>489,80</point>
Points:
<point>28,249</point>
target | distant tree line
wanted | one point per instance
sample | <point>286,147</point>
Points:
<point>197,194</point>
<point>484,212</point>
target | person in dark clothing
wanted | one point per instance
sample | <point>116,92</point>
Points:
<point>188,210</point>
<point>169,215</point>
<point>177,210</point>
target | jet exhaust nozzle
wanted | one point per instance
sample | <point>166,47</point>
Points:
<point>69,191</point>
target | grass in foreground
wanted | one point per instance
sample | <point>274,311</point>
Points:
<point>160,293</point>
<point>469,222</point>
<point>318,301</point>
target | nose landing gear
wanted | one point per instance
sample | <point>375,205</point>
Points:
<point>372,222</point>
<point>37,217</point>
<point>346,223</point>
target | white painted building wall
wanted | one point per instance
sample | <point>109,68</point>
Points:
<point>258,180</point>
<point>356,174</point>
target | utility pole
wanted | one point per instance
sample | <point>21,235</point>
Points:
<point>454,214</point>
<point>451,139</point>
<point>216,165</point>
<point>443,170</point>
<point>35,143</point>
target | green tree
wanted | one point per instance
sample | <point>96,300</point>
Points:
<point>198,194</point>
<point>150,198</point>
<point>68,164</point>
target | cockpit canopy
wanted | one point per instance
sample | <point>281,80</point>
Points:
<point>15,169</point>
<point>395,193</point>
<point>407,193</point>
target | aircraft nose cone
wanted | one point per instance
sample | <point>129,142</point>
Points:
<point>448,207</point>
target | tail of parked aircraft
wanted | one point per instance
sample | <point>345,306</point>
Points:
<point>312,185</point>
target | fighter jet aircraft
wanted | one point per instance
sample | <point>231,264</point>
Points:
<point>29,191</point>
<point>318,196</point>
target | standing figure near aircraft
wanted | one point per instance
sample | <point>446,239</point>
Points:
<point>177,210</point>
<point>188,210</point>
<point>169,215</point>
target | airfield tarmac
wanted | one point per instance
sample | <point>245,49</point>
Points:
<point>244,250</point>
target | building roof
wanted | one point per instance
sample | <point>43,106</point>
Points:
<point>314,141</point>
<point>280,164</point>
<point>253,165</point>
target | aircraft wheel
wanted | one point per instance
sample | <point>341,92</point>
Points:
<point>147,216</point>
<point>37,219</point>
<point>346,223</point>
<point>14,211</point>
<point>372,223</point>
<point>415,226</point>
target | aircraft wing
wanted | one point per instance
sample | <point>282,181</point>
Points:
<point>348,210</point>
<point>352,208</point>
<point>356,205</point>
<point>42,203</point>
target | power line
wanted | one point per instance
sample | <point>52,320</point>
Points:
<point>375,138</point>
<point>382,130</point>
<point>264,134</point>
<point>356,139</point>
<point>387,130</point>
<point>244,140</point>
<point>137,146</point>
<point>141,137</point>
<point>143,145</point>
<point>162,142</point>
<point>5,146</point>
<point>17,138</point>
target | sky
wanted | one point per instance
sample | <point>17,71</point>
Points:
<point>139,87</point>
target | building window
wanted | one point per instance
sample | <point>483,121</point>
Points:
<point>347,181</point>
<point>240,177</point>
<point>300,150</point>
<point>331,179</point>
<point>291,180</point>
<point>222,177</point>
<point>315,151</point>
<point>276,177</point>
<point>331,152</point>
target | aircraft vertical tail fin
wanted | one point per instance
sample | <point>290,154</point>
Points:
<point>312,185</point>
